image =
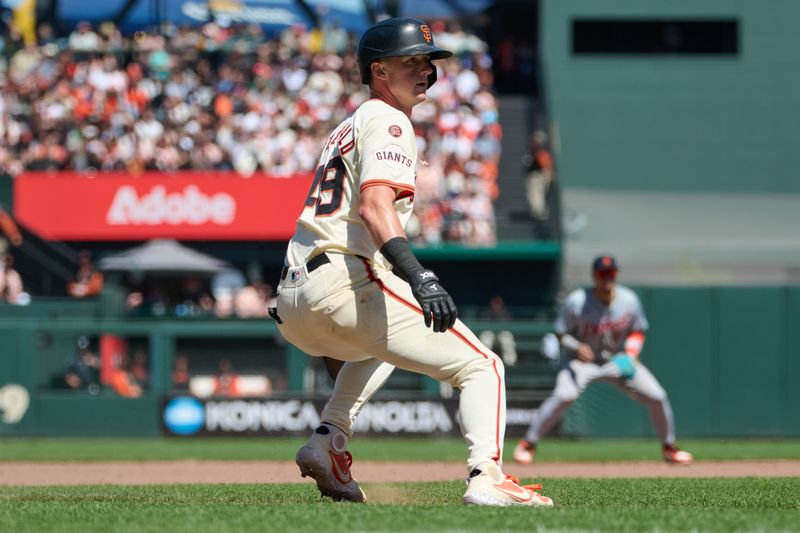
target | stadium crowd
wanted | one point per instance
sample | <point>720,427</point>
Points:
<point>229,97</point>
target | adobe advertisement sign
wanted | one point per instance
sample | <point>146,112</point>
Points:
<point>190,416</point>
<point>186,206</point>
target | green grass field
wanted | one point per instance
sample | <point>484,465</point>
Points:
<point>657,505</point>
<point>590,505</point>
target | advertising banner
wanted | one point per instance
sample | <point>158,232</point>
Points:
<point>190,416</point>
<point>184,206</point>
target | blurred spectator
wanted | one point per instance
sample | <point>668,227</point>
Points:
<point>224,299</point>
<point>122,380</point>
<point>9,228</point>
<point>251,301</point>
<point>226,382</point>
<point>223,96</point>
<point>140,370</point>
<point>134,301</point>
<point>189,300</point>
<point>84,39</point>
<point>538,165</point>
<point>84,371</point>
<point>11,289</point>
<point>87,281</point>
<point>23,63</point>
<point>501,341</point>
<point>205,305</point>
<point>180,374</point>
<point>496,310</point>
<point>335,39</point>
<point>157,301</point>
<point>45,34</point>
<point>224,287</point>
<point>186,296</point>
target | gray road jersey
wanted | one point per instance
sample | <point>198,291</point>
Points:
<point>603,328</point>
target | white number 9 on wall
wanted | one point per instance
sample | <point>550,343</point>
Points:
<point>14,401</point>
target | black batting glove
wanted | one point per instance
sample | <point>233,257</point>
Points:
<point>438,307</point>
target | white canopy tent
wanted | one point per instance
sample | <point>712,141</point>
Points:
<point>163,256</point>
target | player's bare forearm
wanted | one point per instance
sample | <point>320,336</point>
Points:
<point>378,214</point>
<point>585,353</point>
<point>582,350</point>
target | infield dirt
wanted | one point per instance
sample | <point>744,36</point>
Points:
<point>167,472</point>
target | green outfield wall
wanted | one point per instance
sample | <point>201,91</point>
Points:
<point>670,118</point>
<point>39,342</point>
<point>727,356</point>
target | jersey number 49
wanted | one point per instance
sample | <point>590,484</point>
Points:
<point>325,194</point>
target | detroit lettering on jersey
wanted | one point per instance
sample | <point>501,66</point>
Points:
<point>603,328</point>
<point>606,325</point>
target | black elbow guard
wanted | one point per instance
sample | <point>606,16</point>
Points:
<point>398,252</point>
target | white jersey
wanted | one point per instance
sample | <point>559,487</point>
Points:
<point>375,145</point>
<point>603,327</point>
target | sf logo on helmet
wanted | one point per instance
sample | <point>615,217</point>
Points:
<point>426,32</point>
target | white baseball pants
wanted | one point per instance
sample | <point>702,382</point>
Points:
<point>369,318</point>
<point>572,380</point>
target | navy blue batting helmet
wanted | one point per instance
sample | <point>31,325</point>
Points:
<point>397,37</point>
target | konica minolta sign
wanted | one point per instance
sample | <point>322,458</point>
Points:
<point>186,416</point>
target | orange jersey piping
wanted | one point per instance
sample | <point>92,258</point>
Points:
<point>416,308</point>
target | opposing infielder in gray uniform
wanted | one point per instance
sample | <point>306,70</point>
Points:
<point>602,331</point>
<point>352,290</point>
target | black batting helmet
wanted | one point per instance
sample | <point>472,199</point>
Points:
<point>397,37</point>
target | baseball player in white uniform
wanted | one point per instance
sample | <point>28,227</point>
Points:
<point>352,289</point>
<point>602,330</point>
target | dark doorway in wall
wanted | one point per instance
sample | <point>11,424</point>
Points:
<point>513,36</point>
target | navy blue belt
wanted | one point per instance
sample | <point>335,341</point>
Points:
<point>311,265</point>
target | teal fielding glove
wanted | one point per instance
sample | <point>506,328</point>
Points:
<point>624,363</point>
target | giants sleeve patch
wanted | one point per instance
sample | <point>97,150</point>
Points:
<point>393,156</point>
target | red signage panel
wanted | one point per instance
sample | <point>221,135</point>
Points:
<point>187,206</point>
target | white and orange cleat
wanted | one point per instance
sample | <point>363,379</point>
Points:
<point>490,486</point>
<point>675,456</point>
<point>325,458</point>
<point>524,452</point>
